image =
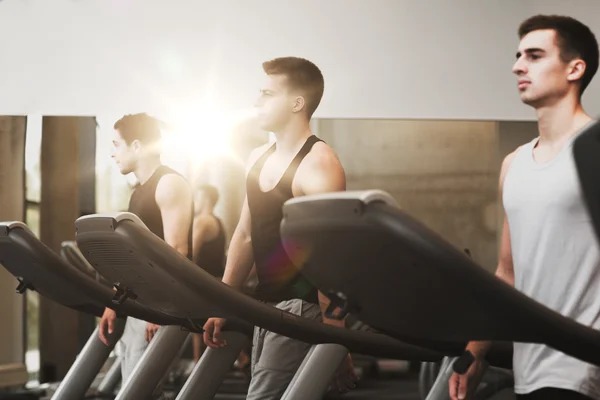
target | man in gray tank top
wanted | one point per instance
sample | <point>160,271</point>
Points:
<point>549,250</point>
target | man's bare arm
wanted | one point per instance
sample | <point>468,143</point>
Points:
<point>174,199</point>
<point>504,270</point>
<point>240,257</point>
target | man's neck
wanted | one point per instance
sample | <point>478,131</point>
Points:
<point>145,169</point>
<point>291,138</point>
<point>560,121</point>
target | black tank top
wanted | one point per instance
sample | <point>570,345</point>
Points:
<point>211,255</point>
<point>278,278</point>
<point>143,204</point>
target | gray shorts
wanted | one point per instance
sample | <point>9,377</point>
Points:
<point>133,345</point>
<point>276,358</point>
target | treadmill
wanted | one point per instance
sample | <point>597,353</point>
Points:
<point>38,268</point>
<point>586,151</point>
<point>143,267</point>
<point>26,258</point>
<point>377,262</point>
<point>70,252</point>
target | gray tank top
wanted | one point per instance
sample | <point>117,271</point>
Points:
<point>556,260</point>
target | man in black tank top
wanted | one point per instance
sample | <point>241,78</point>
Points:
<point>209,236</point>
<point>297,164</point>
<point>163,201</point>
<point>208,241</point>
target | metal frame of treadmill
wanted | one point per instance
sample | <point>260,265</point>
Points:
<point>70,252</point>
<point>586,148</point>
<point>26,258</point>
<point>38,268</point>
<point>168,272</point>
<point>424,278</point>
<point>145,267</point>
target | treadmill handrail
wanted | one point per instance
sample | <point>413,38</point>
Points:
<point>71,246</point>
<point>365,196</point>
<point>95,293</point>
<point>9,225</point>
<point>207,288</point>
<point>115,216</point>
<point>405,231</point>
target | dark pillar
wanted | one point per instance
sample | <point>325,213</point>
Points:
<point>12,194</point>
<point>87,199</point>
<point>66,173</point>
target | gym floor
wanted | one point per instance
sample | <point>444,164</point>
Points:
<point>372,389</point>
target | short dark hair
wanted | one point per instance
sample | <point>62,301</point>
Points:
<point>140,127</point>
<point>301,75</point>
<point>211,193</point>
<point>574,39</point>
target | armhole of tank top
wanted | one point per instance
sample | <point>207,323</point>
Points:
<point>290,172</point>
<point>517,153</point>
<point>261,159</point>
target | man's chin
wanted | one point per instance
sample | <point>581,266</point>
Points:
<point>263,126</point>
<point>528,100</point>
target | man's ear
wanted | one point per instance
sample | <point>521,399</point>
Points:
<point>299,104</point>
<point>576,70</point>
<point>136,146</point>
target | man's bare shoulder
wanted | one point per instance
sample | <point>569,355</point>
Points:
<point>171,187</point>
<point>321,171</point>
<point>506,163</point>
<point>322,156</point>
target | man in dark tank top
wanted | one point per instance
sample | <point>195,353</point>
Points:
<point>297,164</point>
<point>208,241</point>
<point>163,200</point>
<point>209,235</point>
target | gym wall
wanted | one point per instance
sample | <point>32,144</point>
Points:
<point>387,59</point>
<point>444,173</point>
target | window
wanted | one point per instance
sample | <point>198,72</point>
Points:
<point>33,147</point>
<point>112,189</point>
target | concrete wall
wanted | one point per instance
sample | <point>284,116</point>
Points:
<point>445,173</point>
<point>442,172</point>
<point>513,134</point>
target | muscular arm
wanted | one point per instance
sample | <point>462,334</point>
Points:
<point>240,257</point>
<point>174,199</point>
<point>322,173</point>
<point>504,270</point>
